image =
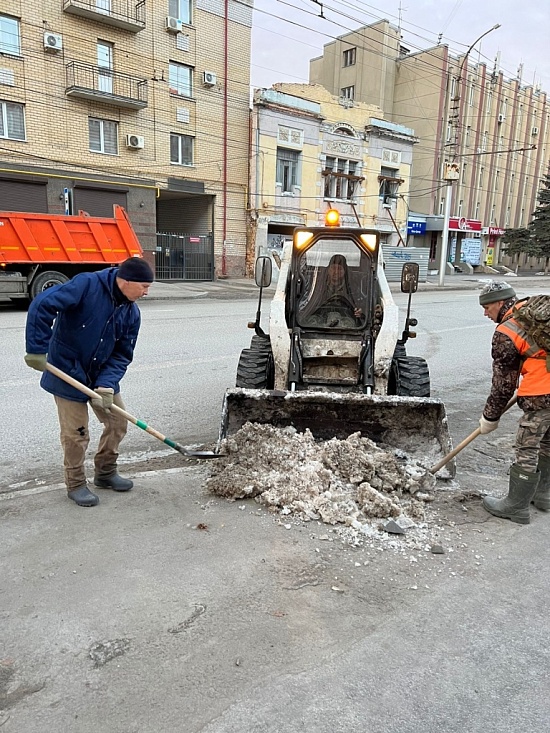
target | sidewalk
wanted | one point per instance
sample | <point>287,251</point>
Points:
<point>241,287</point>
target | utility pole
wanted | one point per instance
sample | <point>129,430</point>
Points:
<point>451,171</point>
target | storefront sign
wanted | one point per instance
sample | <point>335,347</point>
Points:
<point>416,227</point>
<point>464,225</point>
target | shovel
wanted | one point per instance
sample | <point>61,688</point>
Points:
<point>204,454</point>
<point>465,442</point>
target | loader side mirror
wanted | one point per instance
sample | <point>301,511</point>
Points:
<point>409,277</point>
<point>263,271</point>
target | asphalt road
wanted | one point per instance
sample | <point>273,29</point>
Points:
<point>170,610</point>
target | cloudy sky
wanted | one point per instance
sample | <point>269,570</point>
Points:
<point>287,33</point>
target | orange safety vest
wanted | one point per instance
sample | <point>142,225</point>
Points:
<point>535,379</point>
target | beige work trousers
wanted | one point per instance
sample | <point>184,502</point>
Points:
<point>73,422</point>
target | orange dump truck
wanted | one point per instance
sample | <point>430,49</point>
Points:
<point>41,250</point>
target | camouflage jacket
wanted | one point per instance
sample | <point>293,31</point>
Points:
<point>506,374</point>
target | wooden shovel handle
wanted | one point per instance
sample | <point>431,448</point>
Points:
<point>114,408</point>
<point>465,442</point>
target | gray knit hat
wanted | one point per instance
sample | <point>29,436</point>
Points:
<point>495,291</point>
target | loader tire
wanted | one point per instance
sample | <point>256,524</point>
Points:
<point>255,369</point>
<point>400,351</point>
<point>46,280</point>
<point>409,377</point>
<point>258,343</point>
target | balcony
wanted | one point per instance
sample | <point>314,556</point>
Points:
<point>126,14</point>
<point>85,81</point>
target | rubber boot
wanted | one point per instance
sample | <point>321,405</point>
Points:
<point>114,482</point>
<point>542,495</point>
<point>83,496</point>
<point>515,506</point>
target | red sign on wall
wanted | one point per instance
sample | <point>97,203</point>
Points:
<point>464,225</point>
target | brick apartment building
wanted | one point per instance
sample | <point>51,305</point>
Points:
<point>143,103</point>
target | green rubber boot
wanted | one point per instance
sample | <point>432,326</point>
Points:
<point>515,506</point>
<point>542,495</point>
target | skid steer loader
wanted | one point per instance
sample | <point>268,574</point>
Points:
<point>333,360</point>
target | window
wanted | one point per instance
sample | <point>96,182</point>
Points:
<point>460,206</point>
<point>181,149</point>
<point>389,184</point>
<point>180,9</point>
<point>180,79</point>
<point>103,136</point>
<point>349,56</point>
<point>12,121</point>
<point>452,87</point>
<point>347,92</point>
<point>104,6</point>
<point>9,35</point>
<point>476,215</point>
<point>287,169</point>
<point>105,52</point>
<point>341,178</point>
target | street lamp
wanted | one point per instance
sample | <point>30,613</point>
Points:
<point>451,171</point>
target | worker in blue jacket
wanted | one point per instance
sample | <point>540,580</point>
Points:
<point>88,327</point>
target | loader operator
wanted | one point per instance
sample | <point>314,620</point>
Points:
<point>88,328</point>
<point>530,474</point>
<point>332,304</point>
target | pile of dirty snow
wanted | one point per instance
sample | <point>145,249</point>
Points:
<point>335,481</point>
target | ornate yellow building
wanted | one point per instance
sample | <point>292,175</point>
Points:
<point>312,151</point>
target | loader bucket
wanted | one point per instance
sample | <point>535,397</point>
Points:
<point>416,425</point>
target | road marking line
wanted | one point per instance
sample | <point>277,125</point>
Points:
<point>6,496</point>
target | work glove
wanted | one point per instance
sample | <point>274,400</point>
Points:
<point>487,426</point>
<point>104,399</point>
<point>37,361</point>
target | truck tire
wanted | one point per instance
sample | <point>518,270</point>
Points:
<point>255,369</point>
<point>409,377</point>
<point>46,280</point>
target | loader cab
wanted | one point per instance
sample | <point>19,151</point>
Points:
<point>332,282</point>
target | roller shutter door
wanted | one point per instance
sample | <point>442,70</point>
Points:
<point>191,215</point>
<point>98,202</point>
<point>20,196</point>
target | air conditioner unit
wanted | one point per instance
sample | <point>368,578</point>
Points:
<point>135,142</point>
<point>209,79</point>
<point>53,41</point>
<point>173,25</point>
<point>534,131</point>
<point>500,119</point>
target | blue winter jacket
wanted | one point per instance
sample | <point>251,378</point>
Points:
<point>84,332</point>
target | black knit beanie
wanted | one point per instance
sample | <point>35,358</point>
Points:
<point>136,270</point>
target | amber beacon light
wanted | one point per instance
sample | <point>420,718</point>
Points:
<point>332,218</point>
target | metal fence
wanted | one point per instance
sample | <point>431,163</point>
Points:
<point>184,257</point>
